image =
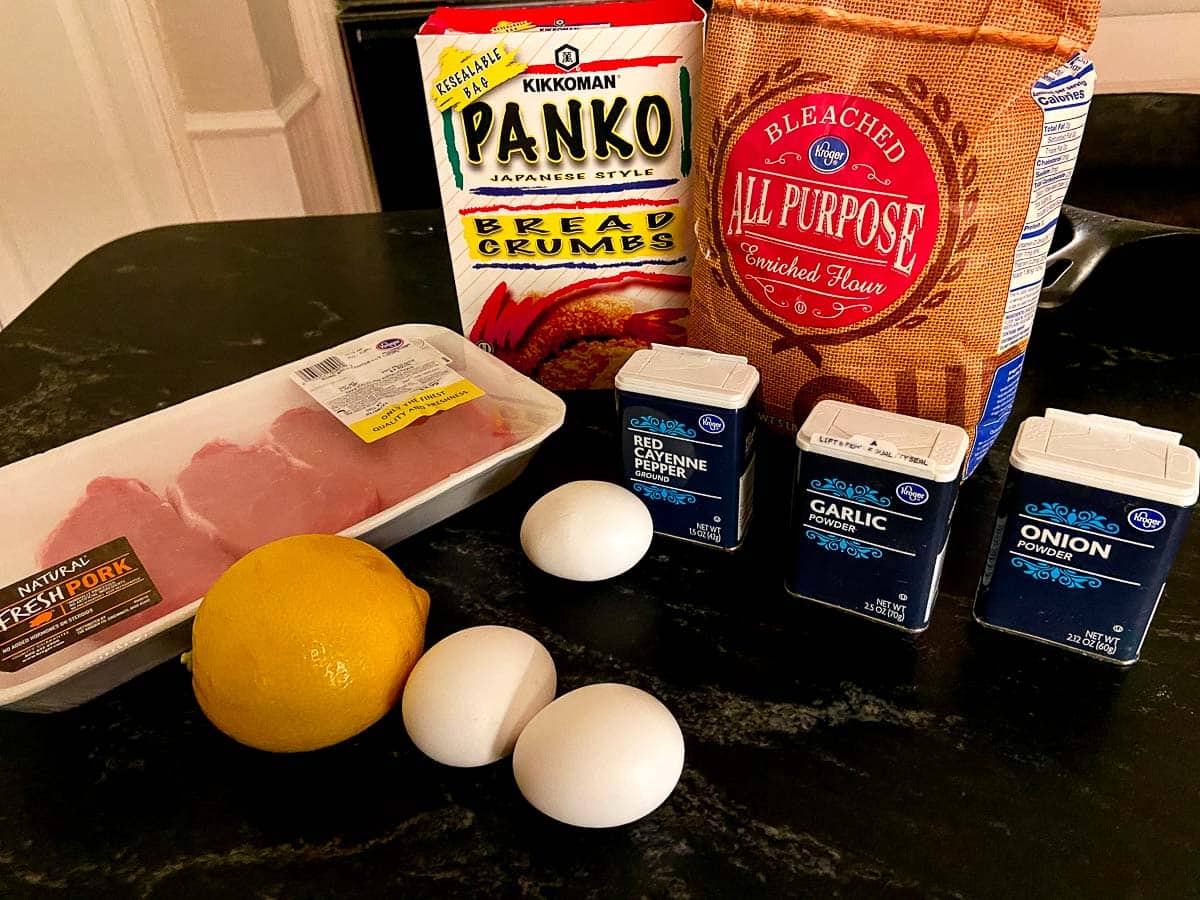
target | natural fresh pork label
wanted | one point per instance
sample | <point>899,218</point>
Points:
<point>70,601</point>
<point>829,209</point>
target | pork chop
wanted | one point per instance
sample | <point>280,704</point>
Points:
<point>248,496</point>
<point>182,562</point>
<point>398,466</point>
<point>464,435</point>
<point>403,463</point>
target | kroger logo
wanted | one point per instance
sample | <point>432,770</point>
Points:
<point>912,493</point>
<point>828,154</point>
<point>390,344</point>
<point>1145,519</point>
<point>712,424</point>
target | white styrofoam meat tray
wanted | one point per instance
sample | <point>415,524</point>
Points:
<point>39,490</point>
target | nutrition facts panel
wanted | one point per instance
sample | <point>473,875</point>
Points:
<point>1064,96</point>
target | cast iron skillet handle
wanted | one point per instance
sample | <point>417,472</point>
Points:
<point>1091,236</point>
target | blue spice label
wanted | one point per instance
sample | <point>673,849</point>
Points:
<point>1077,566</point>
<point>868,540</point>
<point>693,466</point>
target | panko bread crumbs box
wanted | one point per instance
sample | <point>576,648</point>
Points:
<point>564,151</point>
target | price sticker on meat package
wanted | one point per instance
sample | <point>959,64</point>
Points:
<point>375,389</point>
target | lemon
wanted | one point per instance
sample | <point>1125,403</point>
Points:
<point>305,642</point>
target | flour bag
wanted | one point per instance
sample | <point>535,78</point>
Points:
<point>876,191</point>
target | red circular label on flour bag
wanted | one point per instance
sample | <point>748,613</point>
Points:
<point>830,209</point>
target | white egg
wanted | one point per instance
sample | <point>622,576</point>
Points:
<point>472,693</point>
<point>587,531</point>
<point>599,756</point>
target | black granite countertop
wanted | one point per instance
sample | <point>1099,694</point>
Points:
<point>825,755</point>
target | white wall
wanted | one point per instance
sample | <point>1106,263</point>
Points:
<point>121,115</point>
<point>1148,45</point>
<point>1148,7</point>
<point>276,37</point>
<point>80,161</point>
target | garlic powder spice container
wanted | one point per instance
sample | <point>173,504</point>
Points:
<point>871,510</point>
<point>1092,514</point>
<point>687,438</point>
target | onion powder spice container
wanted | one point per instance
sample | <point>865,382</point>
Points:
<point>687,438</point>
<point>871,510</point>
<point>1092,514</point>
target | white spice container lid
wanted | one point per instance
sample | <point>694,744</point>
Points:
<point>1110,454</point>
<point>691,375</point>
<point>886,440</point>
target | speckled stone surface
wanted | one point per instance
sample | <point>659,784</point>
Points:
<point>826,756</point>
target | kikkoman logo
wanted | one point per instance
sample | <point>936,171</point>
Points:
<point>566,57</point>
